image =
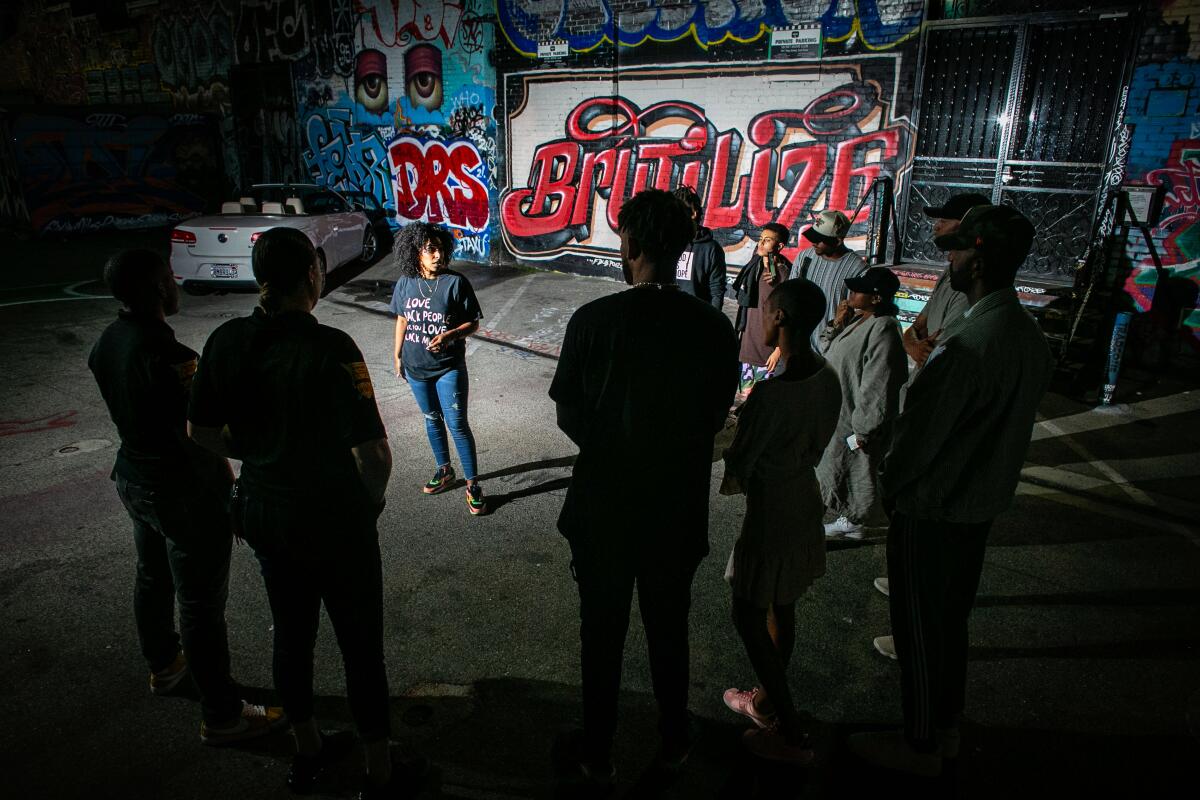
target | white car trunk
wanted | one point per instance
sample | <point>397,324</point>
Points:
<point>214,239</point>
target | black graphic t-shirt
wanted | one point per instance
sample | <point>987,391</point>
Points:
<point>433,306</point>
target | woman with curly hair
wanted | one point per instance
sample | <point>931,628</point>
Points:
<point>436,310</point>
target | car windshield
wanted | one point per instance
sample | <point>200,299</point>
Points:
<point>314,199</point>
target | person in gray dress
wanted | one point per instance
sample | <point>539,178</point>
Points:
<point>863,346</point>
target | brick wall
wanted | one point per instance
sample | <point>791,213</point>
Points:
<point>1163,119</point>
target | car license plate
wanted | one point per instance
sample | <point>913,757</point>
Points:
<point>224,270</point>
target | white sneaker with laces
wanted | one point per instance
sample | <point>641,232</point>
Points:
<point>883,586</point>
<point>886,645</point>
<point>843,527</point>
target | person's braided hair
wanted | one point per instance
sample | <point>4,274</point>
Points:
<point>412,237</point>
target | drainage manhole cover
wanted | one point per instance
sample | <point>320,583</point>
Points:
<point>83,446</point>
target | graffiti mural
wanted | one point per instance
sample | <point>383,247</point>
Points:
<point>12,198</point>
<point>1164,105</point>
<point>820,145</point>
<point>85,169</point>
<point>193,50</point>
<point>879,24</point>
<point>411,120</point>
<point>294,30</point>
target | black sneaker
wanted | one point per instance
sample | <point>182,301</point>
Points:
<point>440,481</point>
<point>303,774</point>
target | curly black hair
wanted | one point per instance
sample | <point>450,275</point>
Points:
<point>662,226</point>
<point>412,237</point>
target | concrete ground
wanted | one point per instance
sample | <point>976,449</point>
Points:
<point>1085,656</point>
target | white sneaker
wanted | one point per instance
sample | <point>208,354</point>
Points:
<point>886,645</point>
<point>882,585</point>
<point>843,527</point>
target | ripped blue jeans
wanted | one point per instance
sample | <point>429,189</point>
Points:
<point>443,401</point>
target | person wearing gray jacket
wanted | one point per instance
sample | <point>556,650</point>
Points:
<point>957,451</point>
<point>862,344</point>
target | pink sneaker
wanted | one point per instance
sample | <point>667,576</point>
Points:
<point>742,702</point>
<point>769,743</point>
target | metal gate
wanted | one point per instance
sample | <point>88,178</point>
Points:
<point>1023,112</point>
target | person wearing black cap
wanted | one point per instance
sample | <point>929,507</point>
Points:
<point>292,399</point>
<point>701,268</point>
<point>956,456</point>
<point>177,496</point>
<point>863,346</point>
<point>944,303</point>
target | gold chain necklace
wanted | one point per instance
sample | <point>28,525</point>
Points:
<point>424,284</point>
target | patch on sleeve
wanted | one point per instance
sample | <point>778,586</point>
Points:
<point>362,379</point>
<point>186,370</point>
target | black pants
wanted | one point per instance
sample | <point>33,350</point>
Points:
<point>183,543</point>
<point>606,581</point>
<point>934,569</point>
<point>309,557</point>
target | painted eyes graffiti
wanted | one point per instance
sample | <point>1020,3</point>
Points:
<point>370,80</point>
<point>423,76</point>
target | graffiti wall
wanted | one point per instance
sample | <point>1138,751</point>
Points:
<point>1163,118</point>
<point>404,108</point>
<point>87,169</point>
<point>697,94</point>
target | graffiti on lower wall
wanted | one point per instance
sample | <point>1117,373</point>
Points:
<point>87,169</point>
<point>411,122</point>
<point>12,199</point>
<point>831,135</point>
<point>879,24</point>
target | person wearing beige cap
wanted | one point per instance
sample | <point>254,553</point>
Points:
<point>829,262</point>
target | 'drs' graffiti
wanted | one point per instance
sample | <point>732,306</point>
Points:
<point>830,137</point>
<point>83,169</point>
<point>411,123</point>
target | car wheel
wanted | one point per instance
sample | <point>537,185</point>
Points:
<point>370,246</point>
<point>324,267</point>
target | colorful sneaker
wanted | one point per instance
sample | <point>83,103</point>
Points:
<point>254,721</point>
<point>440,481</point>
<point>166,679</point>
<point>769,743</point>
<point>742,702</point>
<point>475,501</point>
<point>843,527</point>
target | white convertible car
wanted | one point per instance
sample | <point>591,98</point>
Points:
<point>214,252</point>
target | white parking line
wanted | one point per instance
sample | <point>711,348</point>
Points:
<point>494,321</point>
<point>1110,416</point>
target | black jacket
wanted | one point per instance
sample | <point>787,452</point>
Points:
<point>701,269</point>
<point>745,285</point>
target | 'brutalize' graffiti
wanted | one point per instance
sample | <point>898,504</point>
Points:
<point>610,151</point>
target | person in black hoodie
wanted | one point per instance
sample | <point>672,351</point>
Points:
<point>700,271</point>
<point>753,285</point>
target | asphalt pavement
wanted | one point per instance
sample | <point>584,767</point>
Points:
<point>1085,643</point>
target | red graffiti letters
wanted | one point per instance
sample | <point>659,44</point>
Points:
<point>439,183</point>
<point>823,155</point>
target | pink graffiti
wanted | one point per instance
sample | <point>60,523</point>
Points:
<point>63,419</point>
<point>399,22</point>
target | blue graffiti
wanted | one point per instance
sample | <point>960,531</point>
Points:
<point>342,155</point>
<point>879,23</point>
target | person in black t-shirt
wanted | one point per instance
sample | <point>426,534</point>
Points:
<point>177,496</point>
<point>644,412</point>
<point>436,311</point>
<point>293,400</point>
<point>700,270</point>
